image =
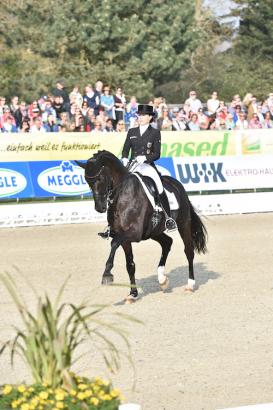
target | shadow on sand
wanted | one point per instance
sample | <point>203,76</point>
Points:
<point>178,278</point>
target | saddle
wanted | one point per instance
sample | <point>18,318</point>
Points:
<point>151,187</point>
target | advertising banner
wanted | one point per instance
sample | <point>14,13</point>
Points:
<point>15,180</point>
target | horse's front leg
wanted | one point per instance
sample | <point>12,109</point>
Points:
<point>107,277</point>
<point>130,265</point>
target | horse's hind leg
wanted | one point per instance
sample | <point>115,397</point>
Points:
<point>166,243</point>
<point>130,265</point>
<point>186,235</point>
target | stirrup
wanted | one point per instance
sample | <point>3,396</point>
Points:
<point>170,225</point>
<point>105,234</point>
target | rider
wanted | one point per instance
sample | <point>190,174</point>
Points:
<point>144,142</point>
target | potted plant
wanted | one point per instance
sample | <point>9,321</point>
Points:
<point>49,342</point>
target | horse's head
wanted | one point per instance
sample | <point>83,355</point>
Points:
<point>99,174</point>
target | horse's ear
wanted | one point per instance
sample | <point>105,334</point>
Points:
<point>81,164</point>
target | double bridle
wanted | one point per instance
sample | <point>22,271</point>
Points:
<point>109,190</point>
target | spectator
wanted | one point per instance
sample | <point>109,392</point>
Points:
<point>33,109</point>
<point>255,123</point>
<point>60,91</point>
<point>203,119</point>
<point>8,125</point>
<point>230,124</point>
<point>64,120</point>
<point>59,105</point>
<point>120,127</point>
<point>187,110</point>
<point>270,100</point>
<point>193,124</point>
<point>76,97</point>
<point>97,126</point>
<point>179,121</point>
<point>236,113</point>
<point>51,124</point>
<point>268,123</point>
<point>89,120</point>
<point>5,115</point>
<point>120,103</point>
<point>85,108</point>
<point>20,114</point>
<point>194,102</point>
<point>131,112</point>
<point>164,123</point>
<point>2,104</point>
<point>92,98</point>
<point>37,126</point>
<point>25,126</point>
<point>48,110</point>
<point>222,110</point>
<point>99,87</point>
<point>213,103</point>
<point>219,123</point>
<point>107,102</point>
<point>109,125</point>
<point>241,123</point>
<point>14,105</point>
<point>260,113</point>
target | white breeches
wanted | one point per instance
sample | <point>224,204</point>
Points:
<point>149,171</point>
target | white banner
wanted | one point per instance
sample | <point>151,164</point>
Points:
<point>224,173</point>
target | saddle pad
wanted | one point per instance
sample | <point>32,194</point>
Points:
<point>171,197</point>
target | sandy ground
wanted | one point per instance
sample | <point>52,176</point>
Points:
<point>208,350</point>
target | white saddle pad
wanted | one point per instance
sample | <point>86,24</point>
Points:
<point>171,197</point>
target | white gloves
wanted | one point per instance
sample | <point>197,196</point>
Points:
<point>141,159</point>
<point>125,161</point>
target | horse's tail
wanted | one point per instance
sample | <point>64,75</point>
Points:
<point>199,232</point>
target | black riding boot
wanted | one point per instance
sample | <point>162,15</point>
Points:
<point>107,233</point>
<point>170,223</point>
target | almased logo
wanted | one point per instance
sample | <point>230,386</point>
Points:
<point>11,182</point>
<point>66,179</point>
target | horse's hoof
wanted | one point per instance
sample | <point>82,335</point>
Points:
<point>165,284</point>
<point>107,280</point>
<point>187,289</point>
<point>131,299</point>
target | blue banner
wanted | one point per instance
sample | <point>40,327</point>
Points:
<point>15,180</point>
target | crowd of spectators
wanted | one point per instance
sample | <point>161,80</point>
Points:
<point>99,109</point>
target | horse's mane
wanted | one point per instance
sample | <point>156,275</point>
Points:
<point>100,155</point>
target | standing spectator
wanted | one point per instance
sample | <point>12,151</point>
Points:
<point>14,105</point>
<point>60,91</point>
<point>107,102</point>
<point>164,123</point>
<point>8,125</point>
<point>187,110</point>
<point>131,112</point>
<point>260,113</point>
<point>213,103</point>
<point>255,123</point>
<point>2,104</point>
<point>120,103</point>
<point>20,114</point>
<point>37,126</point>
<point>99,87</point>
<point>268,123</point>
<point>59,106</point>
<point>193,101</point>
<point>193,124</point>
<point>269,100</point>
<point>92,97</point>
<point>76,97</point>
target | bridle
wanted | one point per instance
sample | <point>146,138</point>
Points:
<point>109,190</point>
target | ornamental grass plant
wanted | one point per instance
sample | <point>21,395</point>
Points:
<point>49,342</point>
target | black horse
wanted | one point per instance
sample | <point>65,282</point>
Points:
<point>132,218</point>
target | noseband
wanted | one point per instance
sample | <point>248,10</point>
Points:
<point>108,193</point>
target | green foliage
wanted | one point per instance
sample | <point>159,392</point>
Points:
<point>50,339</point>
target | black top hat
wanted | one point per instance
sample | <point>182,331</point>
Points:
<point>145,109</point>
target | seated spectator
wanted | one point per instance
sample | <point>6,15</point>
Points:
<point>260,114</point>
<point>120,127</point>
<point>64,120</point>
<point>203,119</point>
<point>230,124</point>
<point>51,124</point>
<point>33,106</point>
<point>99,87</point>
<point>109,125</point>
<point>236,113</point>
<point>255,123</point>
<point>37,125</point>
<point>219,123</point>
<point>187,111</point>
<point>5,115</point>
<point>8,125</point>
<point>193,101</point>
<point>48,110</point>
<point>25,125</point>
<point>89,120</point>
<point>241,123</point>
<point>97,126</point>
<point>164,123</point>
<point>107,102</point>
<point>213,103</point>
<point>222,110</point>
<point>179,122</point>
<point>193,124</point>
<point>102,117</point>
<point>84,108</point>
<point>268,122</point>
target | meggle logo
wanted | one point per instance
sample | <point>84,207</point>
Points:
<point>11,182</point>
<point>203,172</point>
<point>66,179</point>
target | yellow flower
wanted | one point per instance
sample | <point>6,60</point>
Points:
<point>7,389</point>
<point>21,388</point>
<point>107,397</point>
<point>82,386</point>
<point>94,401</point>
<point>43,395</point>
<point>25,406</point>
<point>14,404</point>
<point>81,396</point>
<point>88,393</point>
<point>60,396</point>
<point>115,393</point>
<point>60,405</point>
<point>73,393</point>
